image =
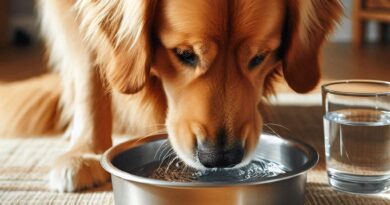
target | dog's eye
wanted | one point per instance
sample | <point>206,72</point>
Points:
<point>255,61</point>
<point>187,57</point>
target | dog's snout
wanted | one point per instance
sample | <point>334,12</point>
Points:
<point>212,157</point>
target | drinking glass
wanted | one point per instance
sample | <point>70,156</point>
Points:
<point>357,135</point>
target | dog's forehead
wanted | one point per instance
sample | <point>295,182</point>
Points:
<point>257,18</point>
<point>220,18</point>
<point>192,17</point>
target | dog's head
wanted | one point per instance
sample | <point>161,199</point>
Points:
<point>215,59</point>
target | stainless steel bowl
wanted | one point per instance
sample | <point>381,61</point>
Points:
<point>284,189</point>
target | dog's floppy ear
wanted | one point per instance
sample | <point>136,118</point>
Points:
<point>129,69</point>
<point>307,24</point>
<point>120,34</point>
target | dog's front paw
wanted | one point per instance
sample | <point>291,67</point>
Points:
<point>73,172</point>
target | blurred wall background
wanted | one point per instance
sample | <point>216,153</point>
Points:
<point>343,33</point>
<point>23,18</point>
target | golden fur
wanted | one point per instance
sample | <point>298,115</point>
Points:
<point>120,69</point>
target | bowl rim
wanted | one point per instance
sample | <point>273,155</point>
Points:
<point>111,153</point>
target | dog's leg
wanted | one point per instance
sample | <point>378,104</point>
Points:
<point>79,167</point>
<point>84,101</point>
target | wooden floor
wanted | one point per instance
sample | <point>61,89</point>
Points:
<point>340,61</point>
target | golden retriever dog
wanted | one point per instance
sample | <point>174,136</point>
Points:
<point>199,68</point>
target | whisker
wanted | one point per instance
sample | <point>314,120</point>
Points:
<point>170,163</point>
<point>184,170</point>
<point>160,131</point>
<point>273,131</point>
<point>159,147</point>
<point>170,153</point>
<point>164,153</point>
<point>279,125</point>
<point>163,150</point>
<point>166,156</point>
<point>155,132</point>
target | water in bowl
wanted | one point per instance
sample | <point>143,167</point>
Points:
<point>178,172</point>
<point>357,146</point>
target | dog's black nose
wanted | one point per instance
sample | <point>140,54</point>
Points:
<point>212,157</point>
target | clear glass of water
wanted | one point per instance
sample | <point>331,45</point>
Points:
<point>357,135</point>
